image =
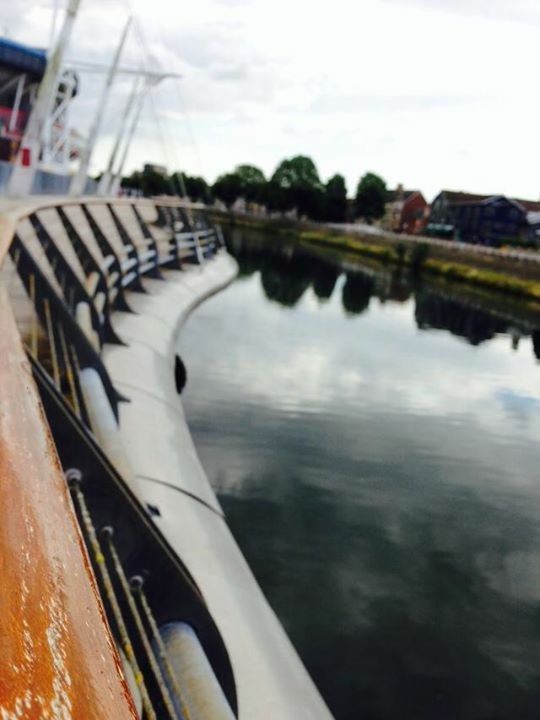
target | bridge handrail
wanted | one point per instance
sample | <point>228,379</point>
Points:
<point>50,601</point>
<point>49,593</point>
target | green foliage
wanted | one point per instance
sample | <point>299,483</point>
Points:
<point>419,255</point>
<point>297,172</point>
<point>253,183</point>
<point>149,181</point>
<point>370,197</point>
<point>278,198</point>
<point>296,183</point>
<point>228,188</point>
<point>348,242</point>
<point>335,209</point>
<point>133,181</point>
<point>197,188</point>
<point>154,182</point>
<point>487,278</point>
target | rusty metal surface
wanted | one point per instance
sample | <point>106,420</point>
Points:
<point>57,659</point>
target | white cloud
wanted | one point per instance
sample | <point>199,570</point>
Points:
<point>434,93</point>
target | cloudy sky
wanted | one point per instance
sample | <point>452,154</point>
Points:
<point>431,93</point>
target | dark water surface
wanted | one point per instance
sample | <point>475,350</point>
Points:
<point>375,445</point>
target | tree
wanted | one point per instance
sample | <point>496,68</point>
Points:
<point>154,182</point>
<point>228,188</point>
<point>197,189</point>
<point>296,183</point>
<point>252,181</point>
<point>371,197</point>
<point>299,171</point>
<point>133,181</point>
<point>335,199</point>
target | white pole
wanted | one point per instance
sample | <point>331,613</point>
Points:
<point>16,103</point>
<point>106,178</point>
<point>53,23</point>
<point>21,179</point>
<point>135,121</point>
<point>79,180</point>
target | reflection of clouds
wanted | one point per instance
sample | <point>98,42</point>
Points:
<point>381,466</point>
<point>317,357</point>
<point>410,394</point>
<point>521,407</point>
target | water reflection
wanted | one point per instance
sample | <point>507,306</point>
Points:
<point>380,476</point>
<point>356,294</point>
<point>288,270</point>
<point>433,310</point>
<point>324,280</point>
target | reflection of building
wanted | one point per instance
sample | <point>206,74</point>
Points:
<point>438,312</point>
<point>485,219</point>
<point>405,211</point>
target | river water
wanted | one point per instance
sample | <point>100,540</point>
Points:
<point>373,440</point>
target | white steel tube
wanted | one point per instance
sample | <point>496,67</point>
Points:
<point>79,181</point>
<point>106,179</point>
<point>135,121</point>
<point>53,22</point>
<point>16,103</point>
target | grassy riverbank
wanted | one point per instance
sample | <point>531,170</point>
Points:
<point>420,261</point>
<point>494,273</point>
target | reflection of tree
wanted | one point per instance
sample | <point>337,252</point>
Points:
<point>435,311</point>
<point>286,270</point>
<point>536,343</point>
<point>400,289</point>
<point>324,281</point>
<point>249,256</point>
<point>285,280</point>
<point>357,291</point>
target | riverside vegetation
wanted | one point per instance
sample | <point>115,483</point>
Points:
<point>499,274</point>
<point>296,184</point>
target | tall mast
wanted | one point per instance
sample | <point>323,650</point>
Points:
<point>79,180</point>
<point>22,178</point>
<point>106,179</point>
<point>135,121</point>
<point>53,22</point>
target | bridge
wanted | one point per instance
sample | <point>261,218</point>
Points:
<point>157,614</point>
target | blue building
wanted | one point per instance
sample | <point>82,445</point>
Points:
<point>485,219</point>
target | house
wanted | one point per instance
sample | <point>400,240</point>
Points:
<point>485,219</point>
<point>405,211</point>
<point>531,234</point>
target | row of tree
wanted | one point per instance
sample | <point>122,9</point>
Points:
<point>295,185</point>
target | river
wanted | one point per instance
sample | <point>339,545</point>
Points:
<point>373,440</point>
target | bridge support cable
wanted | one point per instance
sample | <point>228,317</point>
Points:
<point>107,533</point>
<point>74,478</point>
<point>34,321</point>
<point>137,588</point>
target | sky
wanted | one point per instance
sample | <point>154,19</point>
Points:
<point>431,93</point>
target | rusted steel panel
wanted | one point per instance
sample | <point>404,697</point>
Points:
<point>57,658</point>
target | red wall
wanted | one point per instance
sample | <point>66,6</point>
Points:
<point>413,215</point>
